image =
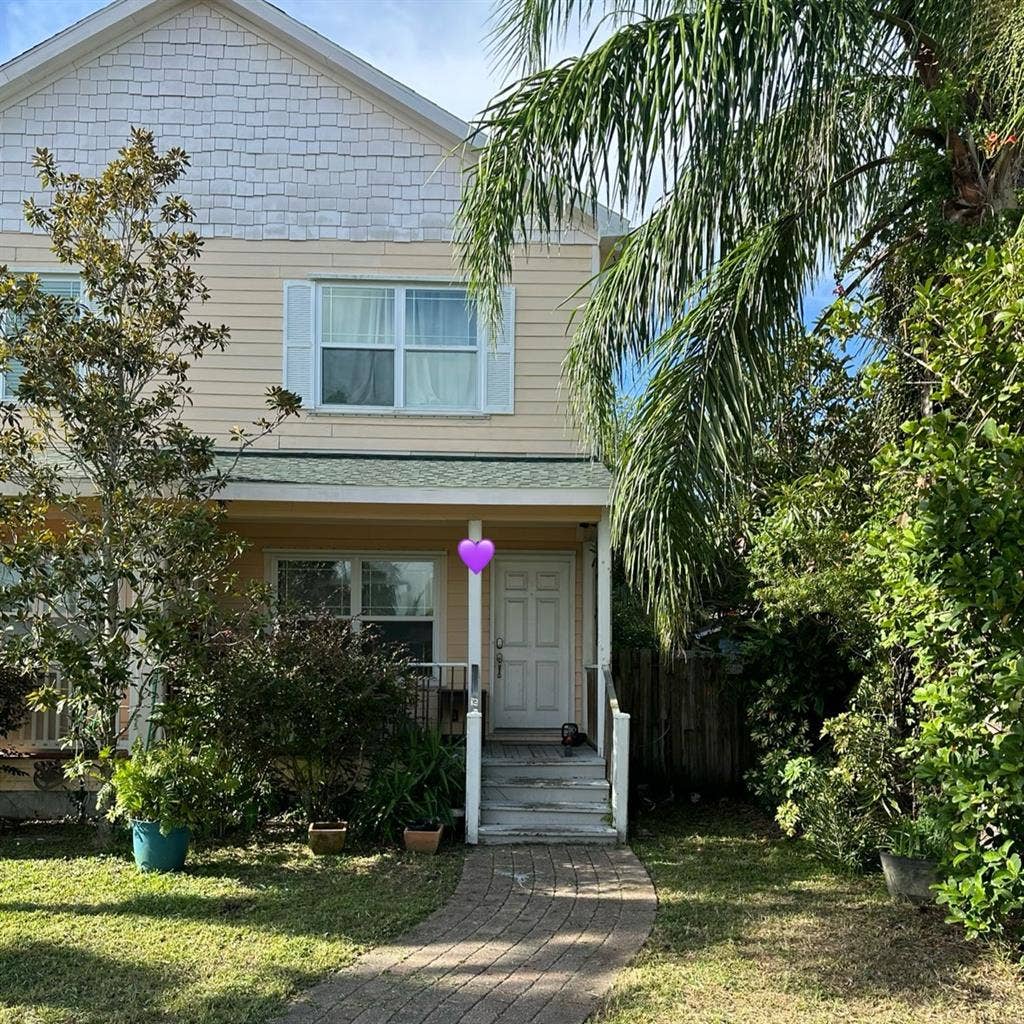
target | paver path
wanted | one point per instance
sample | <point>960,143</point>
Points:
<point>532,935</point>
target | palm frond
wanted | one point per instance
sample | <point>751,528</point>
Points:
<point>782,134</point>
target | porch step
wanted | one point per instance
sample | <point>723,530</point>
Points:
<point>493,835</point>
<point>547,816</point>
<point>552,766</point>
<point>530,790</point>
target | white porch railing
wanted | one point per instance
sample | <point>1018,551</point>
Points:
<point>616,745</point>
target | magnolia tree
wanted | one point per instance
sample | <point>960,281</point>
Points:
<point>113,545</point>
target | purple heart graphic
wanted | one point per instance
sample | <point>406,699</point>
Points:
<point>476,553</point>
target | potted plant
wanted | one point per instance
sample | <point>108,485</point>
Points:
<point>166,792</point>
<point>423,836</point>
<point>326,837</point>
<point>415,791</point>
<point>910,860</point>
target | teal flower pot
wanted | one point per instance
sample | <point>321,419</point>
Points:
<point>155,851</point>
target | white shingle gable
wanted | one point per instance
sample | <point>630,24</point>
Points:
<point>279,149</point>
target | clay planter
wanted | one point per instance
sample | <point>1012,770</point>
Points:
<point>909,877</point>
<point>423,837</point>
<point>327,837</point>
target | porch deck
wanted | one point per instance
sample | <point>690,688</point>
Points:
<point>536,751</point>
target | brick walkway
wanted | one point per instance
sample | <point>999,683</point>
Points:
<point>532,935</point>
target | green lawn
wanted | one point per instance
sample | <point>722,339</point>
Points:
<point>751,930</point>
<point>86,939</point>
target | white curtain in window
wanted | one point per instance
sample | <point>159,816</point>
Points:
<point>439,317</point>
<point>364,316</point>
<point>442,380</point>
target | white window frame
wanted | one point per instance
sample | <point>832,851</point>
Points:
<point>273,559</point>
<point>399,348</point>
<point>43,275</point>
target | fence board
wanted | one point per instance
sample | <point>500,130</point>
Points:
<point>687,727</point>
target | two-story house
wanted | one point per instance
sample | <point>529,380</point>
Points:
<point>326,193</point>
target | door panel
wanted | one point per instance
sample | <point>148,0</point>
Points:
<point>533,612</point>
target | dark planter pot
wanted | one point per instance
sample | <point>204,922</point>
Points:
<point>423,837</point>
<point>909,877</point>
<point>155,851</point>
<point>327,837</point>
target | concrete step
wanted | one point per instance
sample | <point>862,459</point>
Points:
<point>550,767</point>
<point>590,835</point>
<point>527,790</point>
<point>549,815</point>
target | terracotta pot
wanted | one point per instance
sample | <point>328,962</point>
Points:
<point>327,836</point>
<point>421,839</point>
<point>909,877</point>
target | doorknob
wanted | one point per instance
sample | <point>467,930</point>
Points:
<point>497,662</point>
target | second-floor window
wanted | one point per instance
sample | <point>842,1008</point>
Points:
<point>403,346</point>
<point>400,347</point>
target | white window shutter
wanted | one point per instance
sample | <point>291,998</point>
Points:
<point>500,359</point>
<point>298,356</point>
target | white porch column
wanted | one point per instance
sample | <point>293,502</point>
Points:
<point>604,621</point>
<point>589,628</point>
<point>474,718</point>
<point>475,531</point>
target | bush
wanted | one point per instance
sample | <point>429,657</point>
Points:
<point>954,596</point>
<point>176,786</point>
<point>14,690</point>
<point>821,806</point>
<point>302,706</point>
<point>424,781</point>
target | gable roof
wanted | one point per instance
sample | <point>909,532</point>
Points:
<point>123,18</point>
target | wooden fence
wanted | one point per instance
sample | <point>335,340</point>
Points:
<point>687,723</point>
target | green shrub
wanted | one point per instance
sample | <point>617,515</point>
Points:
<point>423,781</point>
<point>176,786</point>
<point>14,690</point>
<point>953,570</point>
<point>301,705</point>
<point>821,806</point>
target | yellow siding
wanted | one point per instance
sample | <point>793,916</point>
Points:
<point>245,280</point>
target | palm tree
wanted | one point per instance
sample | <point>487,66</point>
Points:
<point>763,142</point>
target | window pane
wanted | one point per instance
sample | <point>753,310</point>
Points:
<point>416,637</point>
<point>398,588</point>
<point>67,287</point>
<point>11,378</point>
<point>353,376</point>
<point>439,317</point>
<point>315,584</point>
<point>363,316</point>
<point>441,380</point>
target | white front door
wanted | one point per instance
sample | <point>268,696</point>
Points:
<point>531,645</point>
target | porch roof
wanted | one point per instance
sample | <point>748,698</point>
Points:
<point>528,478</point>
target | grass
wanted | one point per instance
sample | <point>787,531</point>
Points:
<point>751,930</point>
<point>86,939</point>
